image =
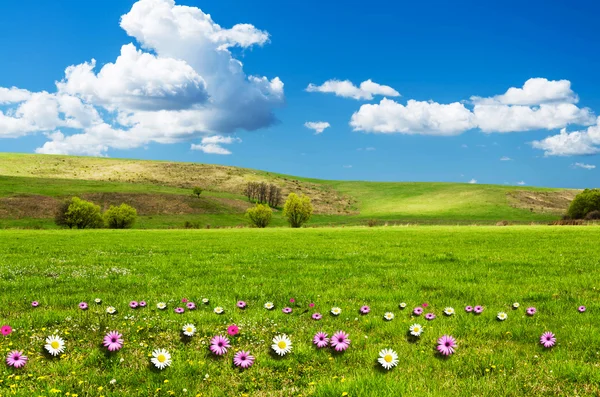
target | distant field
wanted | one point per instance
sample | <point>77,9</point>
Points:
<point>555,269</point>
<point>32,186</point>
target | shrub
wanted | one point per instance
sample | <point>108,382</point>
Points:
<point>373,222</point>
<point>298,210</point>
<point>80,214</point>
<point>592,215</point>
<point>197,191</point>
<point>121,217</point>
<point>60,218</point>
<point>584,203</point>
<point>260,216</point>
<point>191,225</point>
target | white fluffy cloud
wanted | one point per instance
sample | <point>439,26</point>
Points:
<point>535,91</point>
<point>571,143</point>
<point>473,181</point>
<point>584,166</point>
<point>318,126</point>
<point>212,144</point>
<point>347,89</point>
<point>184,84</point>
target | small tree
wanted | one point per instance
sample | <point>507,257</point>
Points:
<point>121,217</point>
<point>584,203</point>
<point>260,215</point>
<point>83,214</point>
<point>197,191</point>
<point>60,218</point>
<point>298,210</point>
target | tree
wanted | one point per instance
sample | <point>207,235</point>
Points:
<point>584,203</point>
<point>298,210</point>
<point>197,191</point>
<point>260,215</point>
<point>80,214</point>
<point>121,217</point>
<point>60,218</point>
<point>263,193</point>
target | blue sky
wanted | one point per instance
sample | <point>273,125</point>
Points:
<point>174,97</point>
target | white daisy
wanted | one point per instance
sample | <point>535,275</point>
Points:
<point>161,358</point>
<point>502,316</point>
<point>189,330</point>
<point>111,310</point>
<point>388,358</point>
<point>161,305</point>
<point>219,310</point>
<point>55,345</point>
<point>516,305</point>
<point>389,316</point>
<point>282,345</point>
<point>415,330</point>
<point>269,305</point>
<point>402,305</point>
<point>336,311</point>
<point>98,300</point>
<point>449,311</point>
<point>205,301</point>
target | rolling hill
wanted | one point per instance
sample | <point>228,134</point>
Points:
<point>32,186</point>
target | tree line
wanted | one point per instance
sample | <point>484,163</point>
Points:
<point>263,193</point>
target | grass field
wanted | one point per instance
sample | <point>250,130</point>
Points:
<point>555,269</point>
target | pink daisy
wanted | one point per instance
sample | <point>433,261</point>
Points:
<point>133,304</point>
<point>16,359</point>
<point>321,339</point>
<point>429,316</point>
<point>446,345</point>
<point>184,300</point>
<point>478,309</point>
<point>531,311</point>
<point>292,300</point>
<point>233,330</point>
<point>190,305</point>
<point>219,345</point>
<point>340,341</point>
<point>548,339</point>
<point>179,310</point>
<point>425,304</point>
<point>311,305</point>
<point>241,304</point>
<point>287,310</point>
<point>5,330</point>
<point>581,309</point>
<point>113,341</point>
<point>417,311</point>
<point>469,309</point>
<point>243,359</point>
<point>35,303</point>
<point>365,309</point>
<point>83,306</point>
<point>143,303</point>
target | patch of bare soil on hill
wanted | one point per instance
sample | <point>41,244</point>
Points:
<point>28,207</point>
<point>554,202</point>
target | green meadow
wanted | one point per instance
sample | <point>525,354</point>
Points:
<point>554,269</point>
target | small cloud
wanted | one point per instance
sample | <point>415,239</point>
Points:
<point>318,126</point>
<point>521,183</point>
<point>505,158</point>
<point>464,146</point>
<point>473,181</point>
<point>347,166</point>
<point>212,144</point>
<point>583,165</point>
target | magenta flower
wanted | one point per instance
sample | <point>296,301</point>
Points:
<point>219,345</point>
<point>317,316</point>
<point>83,306</point>
<point>184,300</point>
<point>429,316</point>
<point>113,341</point>
<point>190,305</point>
<point>179,310</point>
<point>365,310</point>
<point>16,359</point>
<point>233,330</point>
<point>35,303</point>
<point>417,311</point>
<point>469,309</point>
<point>241,304</point>
<point>425,304</point>
<point>531,311</point>
<point>287,310</point>
<point>478,309</point>
<point>311,305</point>
<point>292,300</point>
<point>340,341</point>
<point>6,330</point>
<point>446,345</point>
<point>133,304</point>
<point>243,359</point>
<point>581,309</point>
<point>321,340</point>
<point>143,303</point>
<point>548,339</point>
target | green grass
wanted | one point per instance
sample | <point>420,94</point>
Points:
<point>552,268</point>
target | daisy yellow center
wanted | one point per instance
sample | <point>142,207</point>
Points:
<point>416,329</point>
<point>161,358</point>
<point>55,345</point>
<point>388,358</point>
<point>282,345</point>
<point>189,329</point>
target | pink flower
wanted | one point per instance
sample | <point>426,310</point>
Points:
<point>446,345</point>
<point>548,339</point>
<point>113,341</point>
<point>133,304</point>
<point>425,304</point>
<point>317,316</point>
<point>287,310</point>
<point>83,306</point>
<point>292,300</point>
<point>35,303</point>
<point>241,304</point>
<point>16,359</point>
<point>184,300</point>
<point>233,330</point>
<point>243,359</point>
<point>321,340</point>
<point>469,309</point>
<point>179,310</point>
<point>478,309</point>
<point>6,330</point>
<point>143,303</point>
<point>417,311</point>
<point>429,316</point>
<point>311,305</point>
<point>190,305</point>
<point>365,310</point>
<point>581,309</point>
<point>531,311</point>
<point>219,345</point>
<point>340,341</point>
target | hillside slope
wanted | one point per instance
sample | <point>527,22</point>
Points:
<point>32,186</point>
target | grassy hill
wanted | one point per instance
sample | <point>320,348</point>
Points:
<point>32,186</point>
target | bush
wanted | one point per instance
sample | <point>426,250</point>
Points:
<point>373,222</point>
<point>197,191</point>
<point>121,217</point>
<point>80,214</point>
<point>260,216</point>
<point>584,203</point>
<point>592,215</point>
<point>191,225</point>
<point>298,210</point>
